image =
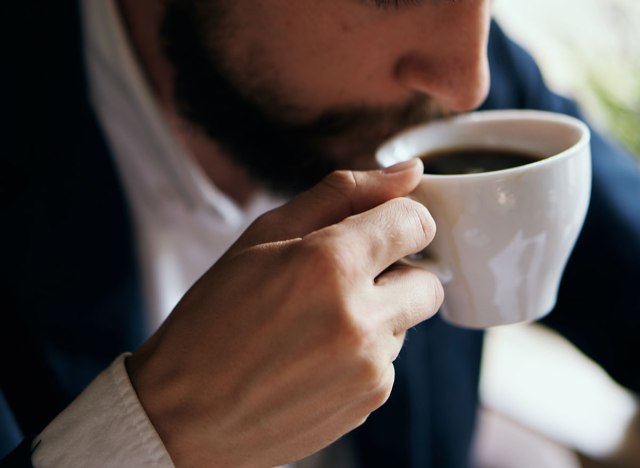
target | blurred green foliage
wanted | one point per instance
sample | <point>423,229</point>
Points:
<point>622,117</point>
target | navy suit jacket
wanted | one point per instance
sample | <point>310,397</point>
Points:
<point>70,286</point>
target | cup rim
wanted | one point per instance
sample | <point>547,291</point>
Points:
<point>497,116</point>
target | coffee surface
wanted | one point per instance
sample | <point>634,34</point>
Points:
<point>472,160</point>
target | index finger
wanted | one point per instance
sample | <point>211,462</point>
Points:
<point>340,194</point>
<point>375,239</point>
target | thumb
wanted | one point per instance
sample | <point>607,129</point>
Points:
<point>337,196</point>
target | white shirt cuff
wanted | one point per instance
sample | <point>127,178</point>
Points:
<point>105,426</point>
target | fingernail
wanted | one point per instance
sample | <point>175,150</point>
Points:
<point>402,167</point>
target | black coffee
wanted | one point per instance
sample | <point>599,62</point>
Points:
<point>472,160</point>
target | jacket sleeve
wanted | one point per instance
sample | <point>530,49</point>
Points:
<point>20,457</point>
<point>598,306</point>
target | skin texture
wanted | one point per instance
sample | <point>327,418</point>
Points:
<point>313,55</point>
<point>288,341</point>
<point>292,91</point>
<point>296,91</point>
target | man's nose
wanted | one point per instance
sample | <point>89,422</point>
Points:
<point>455,71</point>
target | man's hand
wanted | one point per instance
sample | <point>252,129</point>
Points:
<point>288,341</point>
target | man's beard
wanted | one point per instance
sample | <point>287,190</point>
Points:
<point>285,157</point>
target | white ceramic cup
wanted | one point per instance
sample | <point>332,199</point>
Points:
<point>503,238</point>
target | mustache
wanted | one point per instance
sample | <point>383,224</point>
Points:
<point>382,121</point>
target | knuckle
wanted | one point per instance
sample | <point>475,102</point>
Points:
<point>340,184</point>
<point>371,372</point>
<point>380,392</point>
<point>419,218</point>
<point>370,368</point>
<point>357,333</point>
<point>325,253</point>
<point>343,181</point>
<point>358,339</point>
<point>363,419</point>
<point>374,400</point>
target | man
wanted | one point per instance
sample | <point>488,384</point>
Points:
<point>296,335</point>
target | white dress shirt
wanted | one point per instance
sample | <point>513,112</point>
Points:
<point>183,224</point>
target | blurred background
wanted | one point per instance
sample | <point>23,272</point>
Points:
<point>587,49</point>
<point>545,404</point>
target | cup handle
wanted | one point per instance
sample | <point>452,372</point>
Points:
<point>425,261</point>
